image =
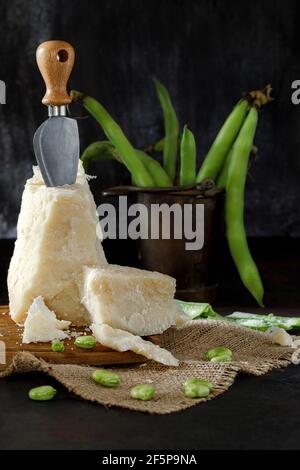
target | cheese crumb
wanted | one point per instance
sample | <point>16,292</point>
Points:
<point>41,324</point>
<point>121,340</point>
<point>295,357</point>
<point>75,334</point>
<point>279,336</point>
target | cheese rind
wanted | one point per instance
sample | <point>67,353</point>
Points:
<point>131,299</point>
<point>41,324</point>
<point>121,340</point>
<point>56,238</point>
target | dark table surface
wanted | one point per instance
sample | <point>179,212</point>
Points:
<point>256,413</point>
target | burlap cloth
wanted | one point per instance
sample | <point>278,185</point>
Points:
<point>253,353</point>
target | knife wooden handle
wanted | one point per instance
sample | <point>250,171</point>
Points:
<point>55,60</point>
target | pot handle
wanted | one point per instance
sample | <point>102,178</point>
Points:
<point>119,190</point>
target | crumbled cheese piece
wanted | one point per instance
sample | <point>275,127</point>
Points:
<point>123,341</point>
<point>296,357</point>
<point>296,342</point>
<point>279,336</point>
<point>75,334</point>
<point>57,236</point>
<point>41,324</point>
<point>131,299</point>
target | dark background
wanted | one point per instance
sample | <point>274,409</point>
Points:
<point>205,51</point>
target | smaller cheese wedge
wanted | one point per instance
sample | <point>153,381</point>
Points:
<point>41,324</point>
<point>131,299</point>
<point>123,341</point>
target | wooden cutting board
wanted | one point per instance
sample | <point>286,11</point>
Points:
<point>11,335</point>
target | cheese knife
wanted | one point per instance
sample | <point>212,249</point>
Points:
<point>56,141</point>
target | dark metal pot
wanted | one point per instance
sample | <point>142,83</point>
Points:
<point>196,272</point>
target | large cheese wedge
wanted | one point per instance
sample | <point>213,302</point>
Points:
<point>56,238</point>
<point>131,299</point>
<point>123,341</point>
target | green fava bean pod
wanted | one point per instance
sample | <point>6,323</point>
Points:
<point>100,150</point>
<point>170,142</point>
<point>85,342</point>
<point>187,158</point>
<point>222,178</point>
<point>159,145</point>
<point>43,393</point>
<point>106,378</point>
<point>160,177</point>
<point>216,155</point>
<point>234,207</point>
<point>105,150</point>
<point>117,137</point>
<point>142,392</point>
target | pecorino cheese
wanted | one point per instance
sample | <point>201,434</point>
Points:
<point>56,238</point>
<point>123,341</point>
<point>131,299</point>
<point>41,324</point>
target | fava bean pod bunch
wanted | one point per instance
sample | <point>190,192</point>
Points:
<point>226,163</point>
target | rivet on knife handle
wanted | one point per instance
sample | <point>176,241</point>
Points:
<point>55,60</point>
